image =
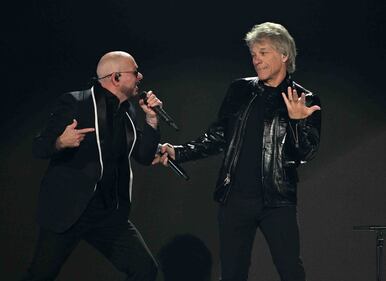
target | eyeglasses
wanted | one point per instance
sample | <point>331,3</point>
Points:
<point>135,72</point>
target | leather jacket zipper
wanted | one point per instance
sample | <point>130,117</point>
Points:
<point>227,180</point>
<point>295,134</point>
<point>275,124</point>
<point>239,136</point>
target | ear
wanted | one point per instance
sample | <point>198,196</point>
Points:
<point>115,78</point>
<point>284,58</point>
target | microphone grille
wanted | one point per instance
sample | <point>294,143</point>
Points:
<point>143,95</point>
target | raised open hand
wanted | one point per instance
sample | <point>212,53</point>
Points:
<point>296,105</point>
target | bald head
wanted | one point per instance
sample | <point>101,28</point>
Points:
<point>113,62</point>
<point>118,73</point>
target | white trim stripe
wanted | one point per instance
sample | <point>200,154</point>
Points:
<point>131,150</point>
<point>97,134</point>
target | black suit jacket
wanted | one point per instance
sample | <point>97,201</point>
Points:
<point>73,173</point>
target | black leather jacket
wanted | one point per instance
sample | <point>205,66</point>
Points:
<point>286,143</point>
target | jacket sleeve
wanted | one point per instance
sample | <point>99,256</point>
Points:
<point>304,136</point>
<point>213,140</point>
<point>61,115</point>
<point>147,144</point>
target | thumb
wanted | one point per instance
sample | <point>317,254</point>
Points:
<point>156,160</point>
<point>314,108</point>
<point>74,124</point>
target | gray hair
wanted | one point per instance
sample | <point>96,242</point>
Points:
<point>281,40</point>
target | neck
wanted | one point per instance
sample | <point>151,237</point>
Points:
<point>121,97</point>
<point>274,82</point>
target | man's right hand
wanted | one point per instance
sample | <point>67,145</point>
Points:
<point>166,151</point>
<point>72,137</point>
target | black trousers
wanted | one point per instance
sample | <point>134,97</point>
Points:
<point>238,221</point>
<point>114,236</point>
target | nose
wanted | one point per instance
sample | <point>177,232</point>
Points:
<point>139,76</point>
<point>256,60</point>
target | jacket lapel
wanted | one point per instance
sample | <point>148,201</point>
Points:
<point>131,135</point>
<point>99,102</point>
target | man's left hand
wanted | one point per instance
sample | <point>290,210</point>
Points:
<point>296,105</point>
<point>151,101</point>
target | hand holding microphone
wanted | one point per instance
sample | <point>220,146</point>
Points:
<point>148,99</point>
<point>152,107</point>
<point>166,156</point>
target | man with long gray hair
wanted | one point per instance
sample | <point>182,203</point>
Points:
<point>267,126</point>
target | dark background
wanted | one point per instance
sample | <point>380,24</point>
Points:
<point>189,52</point>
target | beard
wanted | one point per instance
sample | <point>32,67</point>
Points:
<point>131,91</point>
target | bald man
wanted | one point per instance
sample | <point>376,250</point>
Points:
<point>86,191</point>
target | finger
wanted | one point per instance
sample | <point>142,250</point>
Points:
<point>286,101</point>
<point>163,149</point>
<point>170,150</point>
<point>172,153</point>
<point>79,137</point>
<point>156,159</point>
<point>164,159</point>
<point>148,111</point>
<point>154,103</point>
<point>303,98</point>
<point>144,105</point>
<point>150,96</point>
<point>148,93</point>
<point>314,108</point>
<point>289,91</point>
<point>73,124</point>
<point>86,130</point>
<point>164,156</point>
<point>295,96</point>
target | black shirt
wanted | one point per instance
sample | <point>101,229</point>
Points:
<point>106,197</point>
<point>248,171</point>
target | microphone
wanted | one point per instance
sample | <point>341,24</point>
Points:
<point>160,112</point>
<point>174,166</point>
